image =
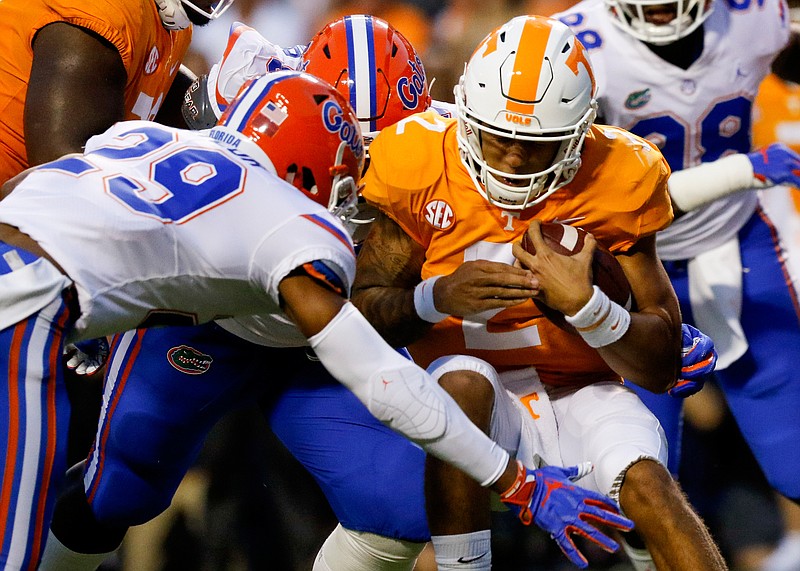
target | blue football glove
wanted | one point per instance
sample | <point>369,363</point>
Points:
<point>698,359</point>
<point>86,357</point>
<point>548,498</point>
<point>776,164</point>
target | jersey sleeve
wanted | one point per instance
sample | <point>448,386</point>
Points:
<point>314,243</point>
<point>622,184</point>
<point>407,161</point>
<point>776,19</point>
<point>120,23</point>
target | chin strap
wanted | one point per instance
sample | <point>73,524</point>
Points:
<point>173,16</point>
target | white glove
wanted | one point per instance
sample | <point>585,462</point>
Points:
<point>247,55</point>
<point>86,357</point>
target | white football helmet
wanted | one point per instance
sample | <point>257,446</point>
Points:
<point>529,80</point>
<point>630,17</point>
<point>174,17</point>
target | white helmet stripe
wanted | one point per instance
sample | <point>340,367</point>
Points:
<point>243,108</point>
<point>361,62</point>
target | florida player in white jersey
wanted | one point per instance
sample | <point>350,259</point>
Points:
<point>200,227</point>
<point>684,75</point>
<point>320,422</point>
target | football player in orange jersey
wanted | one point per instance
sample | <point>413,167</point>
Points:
<point>442,272</point>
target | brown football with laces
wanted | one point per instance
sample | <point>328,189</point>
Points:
<point>607,273</point>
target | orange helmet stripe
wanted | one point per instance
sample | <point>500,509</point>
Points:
<point>524,82</point>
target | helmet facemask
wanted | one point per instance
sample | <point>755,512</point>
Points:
<point>174,16</point>
<point>631,17</point>
<point>343,201</point>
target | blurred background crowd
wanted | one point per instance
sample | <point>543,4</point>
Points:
<point>249,505</point>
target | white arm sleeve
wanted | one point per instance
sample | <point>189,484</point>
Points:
<point>697,186</point>
<point>404,397</point>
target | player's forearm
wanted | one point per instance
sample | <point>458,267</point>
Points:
<point>404,397</point>
<point>697,186</point>
<point>388,269</point>
<point>649,352</point>
<point>392,313</point>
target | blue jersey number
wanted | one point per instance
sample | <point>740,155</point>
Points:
<point>724,129</point>
<point>188,181</point>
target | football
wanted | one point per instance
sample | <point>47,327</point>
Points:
<point>606,271</point>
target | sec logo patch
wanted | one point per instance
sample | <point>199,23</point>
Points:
<point>151,64</point>
<point>439,214</point>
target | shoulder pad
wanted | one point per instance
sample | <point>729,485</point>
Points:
<point>411,153</point>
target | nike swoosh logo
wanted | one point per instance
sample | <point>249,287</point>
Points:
<point>471,559</point>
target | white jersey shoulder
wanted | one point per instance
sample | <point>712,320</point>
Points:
<point>161,226</point>
<point>444,108</point>
<point>248,54</point>
<point>694,115</point>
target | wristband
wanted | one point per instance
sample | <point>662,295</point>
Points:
<point>423,301</point>
<point>601,321</point>
<point>518,482</point>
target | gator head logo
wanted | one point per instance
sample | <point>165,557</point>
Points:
<point>188,360</point>
<point>638,99</point>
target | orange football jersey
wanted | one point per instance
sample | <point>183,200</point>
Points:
<point>150,53</point>
<point>417,177</point>
<point>776,113</point>
<point>776,117</point>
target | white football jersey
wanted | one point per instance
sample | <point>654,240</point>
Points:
<point>158,226</point>
<point>695,115</point>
